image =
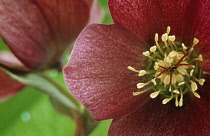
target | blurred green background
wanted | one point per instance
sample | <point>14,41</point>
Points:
<point>30,113</point>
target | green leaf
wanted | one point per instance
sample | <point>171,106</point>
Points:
<point>57,93</point>
<point>3,46</point>
<point>30,113</point>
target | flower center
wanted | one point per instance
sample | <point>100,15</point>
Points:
<point>172,71</point>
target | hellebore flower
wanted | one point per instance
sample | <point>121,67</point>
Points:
<point>150,85</point>
<point>38,32</point>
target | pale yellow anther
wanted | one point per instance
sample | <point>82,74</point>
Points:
<point>176,102</point>
<point>132,69</point>
<point>181,99</point>
<point>146,53</point>
<point>168,29</point>
<point>142,72</point>
<point>143,91</point>
<point>154,94</point>
<point>181,83</point>
<point>156,37</point>
<point>195,41</point>
<point>164,37</point>
<point>191,72</point>
<point>176,91</point>
<point>153,81</point>
<point>194,86</point>
<point>166,100</point>
<point>172,38</point>
<point>153,48</point>
<point>196,95</point>
<point>181,102</point>
<point>201,81</point>
<point>140,85</point>
<point>183,46</point>
<point>170,89</point>
<point>200,57</point>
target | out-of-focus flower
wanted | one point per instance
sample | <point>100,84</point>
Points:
<point>115,70</point>
<point>38,32</point>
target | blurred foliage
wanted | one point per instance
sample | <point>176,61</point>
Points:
<point>2,45</point>
<point>30,112</point>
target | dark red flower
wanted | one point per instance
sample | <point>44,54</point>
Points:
<point>38,32</point>
<point>8,86</point>
<point>99,76</point>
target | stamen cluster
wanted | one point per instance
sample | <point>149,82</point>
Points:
<point>173,70</point>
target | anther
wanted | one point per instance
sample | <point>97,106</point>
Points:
<point>176,91</point>
<point>166,100</point>
<point>154,94</point>
<point>164,37</point>
<point>196,95</point>
<point>156,37</point>
<point>168,29</point>
<point>176,101</point>
<point>181,83</point>
<point>141,85</point>
<point>156,41</point>
<point>147,54</point>
<point>142,72</point>
<point>132,69</point>
<point>200,57</point>
<point>153,48</point>
<point>140,92</point>
<point>181,99</point>
<point>195,41</point>
<point>153,81</point>
<point>194,86</point>
<point>200,81</point>
<point>183,46</point>
<point>191,72</point>
<point>171,38</point>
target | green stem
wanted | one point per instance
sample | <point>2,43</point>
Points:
<point>62,90</point>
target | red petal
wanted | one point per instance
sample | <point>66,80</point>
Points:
<point>149,17</point>
<point>37,33</point>
<point>154,119</point>
<point>10,61</point>
<point>96,13</point>
<point>8,86</point>
<point>198,16</point>
<point>25,31</point>
<point>66,18</point>
<point>97,73</point>
<point>89,2</point>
